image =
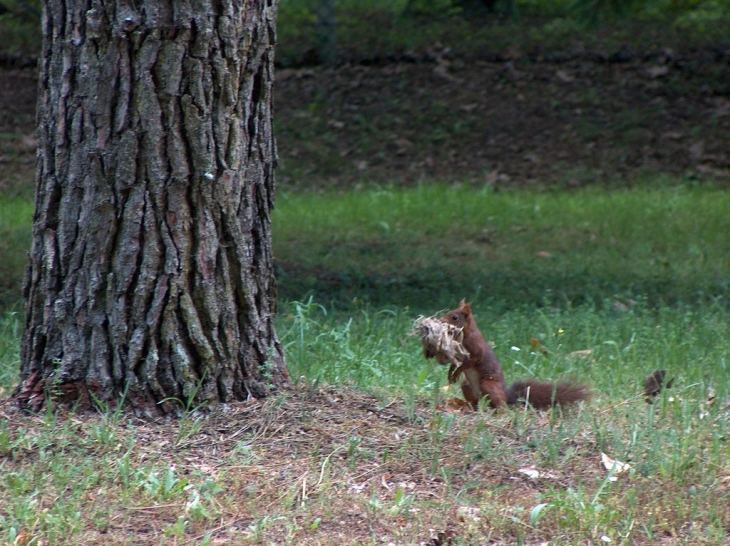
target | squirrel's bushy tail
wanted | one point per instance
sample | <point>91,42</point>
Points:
<point>544,395</point>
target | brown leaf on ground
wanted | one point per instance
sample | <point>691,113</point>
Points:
<point>536,345</point>
<point>657,71</point>
<point>583,353</point>
<point>654,384</point>
<point>454,405</point>
<point>563,76</point>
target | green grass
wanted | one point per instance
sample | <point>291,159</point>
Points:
<point>9,352</point>
<point>365,424</point>
<point>427,247</point>
<point>16,214</point>
<point>372,349</point>
<point>270,475</point>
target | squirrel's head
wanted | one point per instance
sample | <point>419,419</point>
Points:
<point>459,316</point>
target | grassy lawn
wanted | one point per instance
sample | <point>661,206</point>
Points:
<point>366,448</point>
<point>428,247</point>
<point>16,216</point>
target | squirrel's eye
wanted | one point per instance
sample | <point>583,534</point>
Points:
<point>454,317</point>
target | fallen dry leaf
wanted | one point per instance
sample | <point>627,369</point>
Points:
<point>533,473</point>
<point>468,512</point>
<point>454,404</point>
<point>657,71</point>
<point>535,345</point>
<point>672,135</point>
<point>696,150</point>
<point>563,76</point>
<point>612,464</point>
<point>583,353</point>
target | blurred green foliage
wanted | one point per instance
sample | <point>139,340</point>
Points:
<point>23,10</point>
<point>703,19</point>
<point>20,29</point>
<point>375,29</point>
<point>370,29</point>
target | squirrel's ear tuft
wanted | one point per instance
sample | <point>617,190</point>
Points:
<point>462,303</point>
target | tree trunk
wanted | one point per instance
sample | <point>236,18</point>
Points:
<point>151,275</point>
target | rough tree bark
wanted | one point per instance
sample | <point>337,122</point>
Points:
<point>150,275</point>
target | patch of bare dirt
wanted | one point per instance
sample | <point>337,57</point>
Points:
<point>334,454</point>
<point>18,90</point>
<point>573,119</point>
<point>333,466</point>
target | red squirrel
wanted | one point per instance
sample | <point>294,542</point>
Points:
<point>483,374</point>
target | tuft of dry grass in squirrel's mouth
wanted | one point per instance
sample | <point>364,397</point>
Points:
<point>441,339</point>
